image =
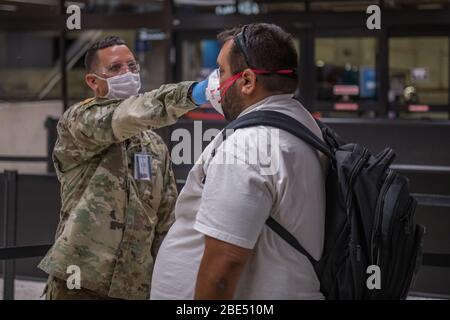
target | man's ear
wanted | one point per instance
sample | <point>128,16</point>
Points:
<point>91,81</point>
<point>249,79</point>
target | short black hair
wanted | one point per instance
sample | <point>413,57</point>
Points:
<point>91,53</point>
<point>270,48</point>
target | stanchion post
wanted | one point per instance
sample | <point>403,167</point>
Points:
<point>9,232</point>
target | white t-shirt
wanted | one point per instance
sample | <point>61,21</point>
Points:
<point>233,203</point>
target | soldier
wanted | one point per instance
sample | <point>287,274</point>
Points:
<point>117,187</point>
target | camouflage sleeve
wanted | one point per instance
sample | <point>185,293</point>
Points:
<point>151,110</point>
<point>101,125</point>
<point>166,208</point>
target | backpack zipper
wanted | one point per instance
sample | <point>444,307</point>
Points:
<point>406,219</point>
<point>358,167</point>
<point>358,252</point>
<point>378,210</point>
<point>387,153</point>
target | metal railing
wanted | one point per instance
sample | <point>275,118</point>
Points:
<point>10,251</point>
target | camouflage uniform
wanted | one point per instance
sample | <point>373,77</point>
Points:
<point>110,224</point>
<point>56,289</point>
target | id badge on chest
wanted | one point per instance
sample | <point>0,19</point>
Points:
<point>142,166</point>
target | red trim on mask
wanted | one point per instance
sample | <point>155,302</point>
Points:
<point>228,83</point>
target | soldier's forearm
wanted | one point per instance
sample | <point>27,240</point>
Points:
<point>151,110</point>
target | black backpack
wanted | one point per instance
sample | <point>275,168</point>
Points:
<point>369,220</point>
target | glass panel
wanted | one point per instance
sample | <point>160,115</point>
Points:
<point>30,91</point>
<point>147,46</point>
<point>345,69</point>
<point>418,71</point>
<point>29,66</point>
<point>199,58</point>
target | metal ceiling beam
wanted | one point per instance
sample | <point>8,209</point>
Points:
<point>88,21</point>
<point>402,18</point>
<point>196,22</point>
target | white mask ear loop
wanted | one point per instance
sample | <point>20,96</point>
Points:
<point>104,79</point>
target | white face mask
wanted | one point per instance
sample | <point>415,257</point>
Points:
<point>213,91</point>
<point>122,86</point>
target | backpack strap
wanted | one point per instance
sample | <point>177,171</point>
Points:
<point>289,124</point>
<point>289,238</point>
<point>281,121</point>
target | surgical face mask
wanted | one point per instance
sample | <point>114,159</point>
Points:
<point>122,86</point>
<point>213,91</point>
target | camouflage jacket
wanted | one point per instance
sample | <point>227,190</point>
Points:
<point>110,224</point>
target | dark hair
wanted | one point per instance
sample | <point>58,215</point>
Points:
<point>268,47</point>
<point>91,53</point>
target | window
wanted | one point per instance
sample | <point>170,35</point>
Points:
<point>419,72</point>
<point>199,58</point>
<point>29,66</point>
<point>345,69</point>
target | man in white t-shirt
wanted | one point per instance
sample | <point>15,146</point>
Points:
<point>219,246</point>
